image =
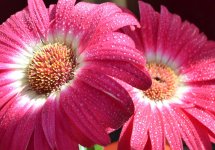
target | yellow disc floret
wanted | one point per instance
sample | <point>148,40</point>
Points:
<point>50,68</point>
<point>164,82</point>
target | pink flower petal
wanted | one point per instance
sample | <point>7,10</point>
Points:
<point>206,118</point>
<point>202,71</point>
<point>171,130</point>
<point>39,13</point>
<point>117,21</point>
<point>156,131</point>
<point>149,20</point>
<point>64,10</point>
<point>31,144</point>
<point>71,129</point>
<point>22,27</point>
<point>142,119</point>
<point>82,117</point>
<point>204,134</point>
<point>124,71</point>
<point>64,141</point>
<point>206,53</point>
<point>125,136</point>
<point>114,52</point>
<point>108,112</point>
<point>10,43</point>
<point>193,43</point>
<point>136,36</point>
<point>187,130</point>
<point>168,35</point>
<point>40,141</point>
<point>200,98</point>
<point>48,121</point>
<point>109,39</point>
<point>7,113</point>
<point>106,84</point>
<point>24,130</point>
<point>52,12</point>
<point>18,123</point>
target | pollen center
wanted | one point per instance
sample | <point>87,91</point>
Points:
<point>51,67</point>
<point>164,82</point>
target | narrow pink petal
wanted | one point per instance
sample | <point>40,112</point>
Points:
<point>108,112</point>
<point>39,14</point>
<point>124,71</point>
<point>156,131</point>
<point>114,52</point>
<point>31,143</point>
<point>24,130</point>
<point>149,21</point>
<point>7,92</point>
<point>109,39</point>
<point>22,26</point>
<point>82,117</point>
<point>6,77</point>
<point>106,84</point>
<point>71,129</point>
<point>10,41</point>
<point>142,119</point>
<point>171,130</point>
<point>40,141</point>
<point>125,135</point>
<point>52,12</point>
<point>7,96</point>
<point>64,10</point>
<point>64,141</point>
<point>48,121</point>
<point>200,98</point>
<point>206,118</point>
<point>192,46</point>
<point>8,117</point>
<point>204,134</point>
<point>75,22</point>
<point>117,21</point>
<point>202,71</point>
<point>168,35</point>
<point>187,130</point>
<point>136,36</point>
<point>13,116</point>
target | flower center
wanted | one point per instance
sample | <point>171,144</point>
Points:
<point>51,67</point>
<point>164,82</point>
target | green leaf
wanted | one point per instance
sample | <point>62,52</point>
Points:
<point>95,147</point>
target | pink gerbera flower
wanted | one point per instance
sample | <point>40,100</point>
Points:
<point>180,106</point>
<point>57,70</point>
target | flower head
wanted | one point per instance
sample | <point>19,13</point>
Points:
<point>57,75</point>
<point>180,106</point>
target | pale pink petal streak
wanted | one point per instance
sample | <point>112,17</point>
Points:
<point>156,130</point>
<point>142,119</point>
<point>172,133</point>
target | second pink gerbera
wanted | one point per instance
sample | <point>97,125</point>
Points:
<point>180,105</point>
